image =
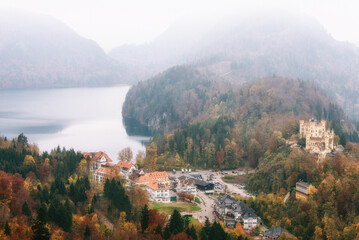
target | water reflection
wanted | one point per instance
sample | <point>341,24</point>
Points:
<point>86,119</point>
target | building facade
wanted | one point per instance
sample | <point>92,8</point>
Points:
<point>97,159</point>
<point>158,192</point>
<point>302,190</point>
<point>187,186</point>
<point>126,168</point>
<point>232,211</point>
<point>319,141</point>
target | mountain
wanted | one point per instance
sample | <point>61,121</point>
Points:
<point>184,95</point>
<point>211,125</point>
<point>38,51</point>
<point>247,47</point>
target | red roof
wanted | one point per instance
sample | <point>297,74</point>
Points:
<point>157,186</point>
<point>87,154</point>
<point>99,155</point>
<point>104,170</point>
<point>124,164</point>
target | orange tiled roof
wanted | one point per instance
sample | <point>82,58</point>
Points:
<point>109,164</point>
<point>157,186</point>
<point>151,177</point>
<point>143,179</point>
<point>124,164</point>
<point>87,154</point>
<point>104,170</point>
<point>99,155</point>
<point>155,175</point>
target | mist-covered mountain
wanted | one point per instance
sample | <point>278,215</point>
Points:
<point>243,48</point>
<point>38,51</point>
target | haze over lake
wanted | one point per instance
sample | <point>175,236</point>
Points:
<point>86,119</point>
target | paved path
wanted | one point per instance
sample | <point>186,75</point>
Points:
<point>208,201</point>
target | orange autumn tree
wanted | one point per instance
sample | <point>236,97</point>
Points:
<point>239,230</point>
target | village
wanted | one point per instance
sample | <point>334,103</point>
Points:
<point>205,193</point>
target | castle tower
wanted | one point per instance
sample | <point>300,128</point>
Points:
<point>301,129</point>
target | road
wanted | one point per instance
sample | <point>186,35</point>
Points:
<point>230,187</point>
<point>208,201</point>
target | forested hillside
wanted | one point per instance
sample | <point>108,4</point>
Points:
<point>331,210</point>
<point>171,99</point>
<point>237,127</point>
<point>53,196</point>
<point>245,48</point>
<point>38,51</point>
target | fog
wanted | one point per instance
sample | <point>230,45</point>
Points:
<point>113,23</point>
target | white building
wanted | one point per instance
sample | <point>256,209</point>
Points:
<point>103,173</point>
<point>126,168</point>
<point>158,192</point>
<point>187,186</point>
<point>97,159</point>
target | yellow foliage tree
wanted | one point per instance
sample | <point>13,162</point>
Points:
<point>29,160</point>
<point>82,168</point>
<point>124,230</point>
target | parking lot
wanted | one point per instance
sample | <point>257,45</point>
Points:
<point>215,177</point>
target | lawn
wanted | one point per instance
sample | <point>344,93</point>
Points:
<point>193,220</point>
<point>235,179</point>
<point>169,207</point>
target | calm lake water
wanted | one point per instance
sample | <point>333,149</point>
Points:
<point>85,119</point>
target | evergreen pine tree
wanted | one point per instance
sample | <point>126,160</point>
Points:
<point>7,229</point>
<point>186,222</point>
<point>87,232</point>
<point>145,216</point>
<point>167,232</point>
<point>26,210</point>
<point>205,230</point>
<point>41,231</point>
<point>176,222</point>
<point>217,232</point>
<point>193,233</point>
<point>51,214</point>
<point>45,196</point>
<point>86,183</point>
<point>67,223</point>
<point>158,229</point>
<point>106,189</point>
<point>90,210</point>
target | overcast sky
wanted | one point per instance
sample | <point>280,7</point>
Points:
<point>112,23</point>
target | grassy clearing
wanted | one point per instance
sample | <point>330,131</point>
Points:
<point>169,207</point>
<point>193,220</point>
<point>235,179</point>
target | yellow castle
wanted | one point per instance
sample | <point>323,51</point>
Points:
<point>319,141</point>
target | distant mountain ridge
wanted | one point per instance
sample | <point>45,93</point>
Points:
<point>242,48</point>
<point>38,51</point>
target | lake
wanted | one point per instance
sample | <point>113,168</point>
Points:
<point>85,119</point>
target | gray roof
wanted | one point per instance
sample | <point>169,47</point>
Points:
<point>200,182</point>
<point>182,177</point>
<point>304,183</point>
<point>276,232</point>
<point>236,206</point>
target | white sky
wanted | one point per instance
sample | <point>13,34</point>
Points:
<point>112,23</point>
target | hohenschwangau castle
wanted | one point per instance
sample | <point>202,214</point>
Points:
<point>319,141</point>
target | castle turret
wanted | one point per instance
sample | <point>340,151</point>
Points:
<point>301,129</point>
